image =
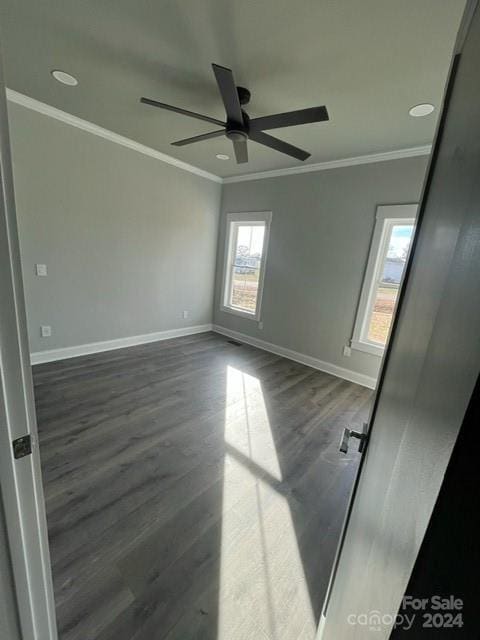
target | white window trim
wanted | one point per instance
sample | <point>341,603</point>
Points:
<point>386,217</point>
<point>252,217</point>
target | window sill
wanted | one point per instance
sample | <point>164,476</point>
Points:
<point>367,347</point>
<point>240,313</point>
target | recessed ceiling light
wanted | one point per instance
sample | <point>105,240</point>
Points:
<point>64,78</point>
<point>222,156</point>
<point>420,110</point>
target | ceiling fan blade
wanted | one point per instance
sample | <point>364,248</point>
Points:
<point>192,114</point>
<point>203,136</point>
<point>278,145</point>
<point>229,93</point>
<point>241,151</point>
<point>289,119</point>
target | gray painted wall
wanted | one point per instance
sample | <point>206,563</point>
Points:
<point>319,240</point>
<point>129,242</point>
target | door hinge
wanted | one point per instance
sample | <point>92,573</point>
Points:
<point>22,447</point>
<point>362,436</point>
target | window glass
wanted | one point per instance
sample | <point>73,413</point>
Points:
<point>390,275</point>
<point>247,255</point>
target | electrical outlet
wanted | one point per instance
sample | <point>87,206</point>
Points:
<point>347,351</point>
<point>184,315</point>
<point>45,331</point>
<point>41,269</point>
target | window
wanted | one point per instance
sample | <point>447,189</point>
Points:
<point>245,254</point>
<point>391,241</point>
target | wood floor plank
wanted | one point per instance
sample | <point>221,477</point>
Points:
<point>194,490</point>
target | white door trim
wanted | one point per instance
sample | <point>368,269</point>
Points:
<point>20,479</point>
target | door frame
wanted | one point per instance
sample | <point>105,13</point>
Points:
<point>20,479</point>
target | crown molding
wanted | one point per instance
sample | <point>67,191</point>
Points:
<point>90,127</point>
<point>333,164</point>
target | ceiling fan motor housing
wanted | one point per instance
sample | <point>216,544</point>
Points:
<point>236,130</point>
<point>236,135</point>
<point>243,95</point>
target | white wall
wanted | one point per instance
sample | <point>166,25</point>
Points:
<point>129,241</point>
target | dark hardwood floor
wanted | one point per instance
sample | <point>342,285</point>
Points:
<point>194,489</point>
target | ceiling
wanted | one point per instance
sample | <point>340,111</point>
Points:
<point>367,61</point>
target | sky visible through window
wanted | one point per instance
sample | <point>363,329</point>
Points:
<point>386,292</point>
<point>400,241</point>
<point>251,237</point>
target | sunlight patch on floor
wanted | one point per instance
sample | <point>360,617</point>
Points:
<point>247,428</point>
<point>263,590</point>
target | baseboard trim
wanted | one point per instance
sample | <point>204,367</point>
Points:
<point>315,363</point>
<point>64,353</point>
<point>52,355</point>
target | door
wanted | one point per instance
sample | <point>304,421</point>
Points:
<point>9,627</point>
<point>20,479</point>
<point>427,379</point>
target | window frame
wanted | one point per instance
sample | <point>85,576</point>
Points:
<point>233,221</point>
<point>386,217</point>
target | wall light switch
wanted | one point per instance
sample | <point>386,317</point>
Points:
<point>260,325</point>
<point>46,331</point>
<point>185,315</point>
<point>347,351</point>
<point>41,269</point>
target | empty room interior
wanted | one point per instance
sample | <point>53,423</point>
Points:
<point>216,203</point>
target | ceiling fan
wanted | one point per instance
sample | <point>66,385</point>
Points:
<point>239,127</point>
